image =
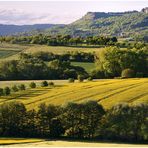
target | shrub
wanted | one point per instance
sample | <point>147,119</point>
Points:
<point>128,73</point>
<point>14,88</point>
<point>89,78</point>
<point>1,91</point>
<point>7,91</point>
<point>80,78</point>
<point>32,85</point>
<point>51,84</point>
<point>98,74</point>
<point>22,87</point>
<point>71,80</point>
<point>44,83</point>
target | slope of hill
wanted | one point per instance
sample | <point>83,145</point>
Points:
<point>15,29</point>
<point>100,23</point>
<point>106,92</point>
<point>125,24</point>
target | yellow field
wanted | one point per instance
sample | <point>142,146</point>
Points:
<point>7,141</point>
<point>106,92</point>
<point>29,142</point>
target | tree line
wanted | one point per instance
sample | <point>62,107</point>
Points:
<point>75,56</point>
<point>67,40</point>
<point>30,67</point>
<point>59,40</point>
<point>87,120</point>
<point>117,62</point>
<point>21,87</point>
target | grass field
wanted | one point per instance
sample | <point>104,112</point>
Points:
<point>8,51</point>
<point>87,66</point>
<point>11,51</point>
<point>106,92</point>
<point>20,142</point>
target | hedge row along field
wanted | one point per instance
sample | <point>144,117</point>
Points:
<point>106,92</point>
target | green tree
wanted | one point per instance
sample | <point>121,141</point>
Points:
<point>72,120</point>
<point>22,87</point>
<point>51,83</point>
<point>127,73</point>
<point>44,83</point>
<point>1,91</point>
<point>32,85</point>
<point>71,80</point>
<point>14,88</point>
<point>7,91</point>
<point>12,119</point>
<point>80,78</point>
<point>93,113</point>
<point>56,128</point>
<point>30,124</point>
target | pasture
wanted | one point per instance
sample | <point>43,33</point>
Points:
<point>61,49</point>
<point>86,65</point>
<point>12,51</point>
<point>106,92</point>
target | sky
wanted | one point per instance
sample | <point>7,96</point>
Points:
<point>60,12</point>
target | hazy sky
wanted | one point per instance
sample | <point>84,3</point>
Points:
<point>37,12</point>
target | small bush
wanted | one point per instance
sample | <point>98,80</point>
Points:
<point>89,79</point>
<point>71,80</point>
<point>14,88</point>
<point>32,85</point>
<point>1,91</point>
<point>22,87</point>
<point>98,74</point>
<point>128,73</point>
<point>7,91</point>
<point>44,83</point>
<point>80,78</point>
<point>51,84</point>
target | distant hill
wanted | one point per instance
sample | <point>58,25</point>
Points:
<point>124,24</point>
<point>101,23</point>
<point>16,29</point>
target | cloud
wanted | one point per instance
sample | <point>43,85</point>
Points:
<point>19,17</point>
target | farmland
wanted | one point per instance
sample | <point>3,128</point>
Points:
<point>30,142</point>
<point>8,51</point>
<point>11,51</point>
<point>86,65</point>
<point>106,92</point>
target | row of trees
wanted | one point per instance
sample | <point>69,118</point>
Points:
<point>15,88</point>
<point>86,120</point>
<point>69,56</point>
<point>7,90</point>
<point>29,67</point>
<point>59,40</point>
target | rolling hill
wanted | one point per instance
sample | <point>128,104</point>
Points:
<point>25,29</point>
<point>124,24</point>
